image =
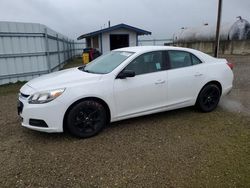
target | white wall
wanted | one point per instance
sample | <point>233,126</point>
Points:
<point>106,40</point>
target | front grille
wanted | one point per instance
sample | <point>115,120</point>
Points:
<point>19,107</point>
<point>37,123</point>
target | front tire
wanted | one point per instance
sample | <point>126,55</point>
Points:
<point>208,98</point>
<point>86,119</point>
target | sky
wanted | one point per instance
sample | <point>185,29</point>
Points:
<point>162,17</point>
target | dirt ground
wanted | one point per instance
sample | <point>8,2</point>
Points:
<point>181,148</point>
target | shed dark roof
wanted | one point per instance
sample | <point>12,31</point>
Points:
<point>119,26</point>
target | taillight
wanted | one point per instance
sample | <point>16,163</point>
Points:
<point>231,65</point>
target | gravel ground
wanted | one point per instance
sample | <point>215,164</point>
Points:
<point>181,148</point>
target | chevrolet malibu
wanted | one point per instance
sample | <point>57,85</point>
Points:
<point>122,84</point>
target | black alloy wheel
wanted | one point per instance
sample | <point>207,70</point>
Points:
<point>208,98</point>
<point>86,119</point>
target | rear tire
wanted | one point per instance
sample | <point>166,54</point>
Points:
<point>208,98</point>
<point>86,119</point>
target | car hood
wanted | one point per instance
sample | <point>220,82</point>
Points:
<point>60,79</point>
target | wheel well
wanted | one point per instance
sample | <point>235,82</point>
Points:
<point>216,83</point>
<point>212,82</point>
<point>84,99</point>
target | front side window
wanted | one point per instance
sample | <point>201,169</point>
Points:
<point>147,63</point>
<point>107,63</point>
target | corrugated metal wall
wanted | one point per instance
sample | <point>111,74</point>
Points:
<point>28,50</point>
<point>79,46</point>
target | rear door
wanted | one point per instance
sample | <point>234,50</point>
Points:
<point>185,77</point>
<point>147,90</point>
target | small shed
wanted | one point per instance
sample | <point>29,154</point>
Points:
<point>114,37</point>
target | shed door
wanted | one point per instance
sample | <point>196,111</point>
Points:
<point>118,41</point>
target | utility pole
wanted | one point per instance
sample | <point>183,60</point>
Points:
<point>217,41</point>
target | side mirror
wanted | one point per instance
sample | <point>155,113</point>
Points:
<point>125,74</point>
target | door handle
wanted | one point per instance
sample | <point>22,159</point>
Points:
<point>160,82</point>
<point>198,75</point>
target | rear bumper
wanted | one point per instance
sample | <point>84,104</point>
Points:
<point>227,90</point>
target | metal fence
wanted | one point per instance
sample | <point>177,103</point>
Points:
<point>28,50</point>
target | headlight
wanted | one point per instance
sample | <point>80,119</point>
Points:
<point>45,96</point>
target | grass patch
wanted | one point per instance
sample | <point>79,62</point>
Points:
<point>15,87</point>
<point>10,88</point>
<point>73,63</point>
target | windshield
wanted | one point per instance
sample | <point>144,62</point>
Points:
<point>107,63</point>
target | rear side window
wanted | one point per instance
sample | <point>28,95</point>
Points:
<point>195,60</point>
<point>179,59</point>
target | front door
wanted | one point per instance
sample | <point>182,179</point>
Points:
<point>147,90</point>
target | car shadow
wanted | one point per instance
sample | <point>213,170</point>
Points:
<point>111,128</point>
<point>154,117</point>
<point>36,135</point>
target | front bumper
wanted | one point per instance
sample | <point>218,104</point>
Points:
<point>51,113</point>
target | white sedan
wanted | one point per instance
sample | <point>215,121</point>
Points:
<point>122,84</point>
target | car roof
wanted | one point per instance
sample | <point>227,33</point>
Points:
<point>138,49</point>
<point>144,49</point>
